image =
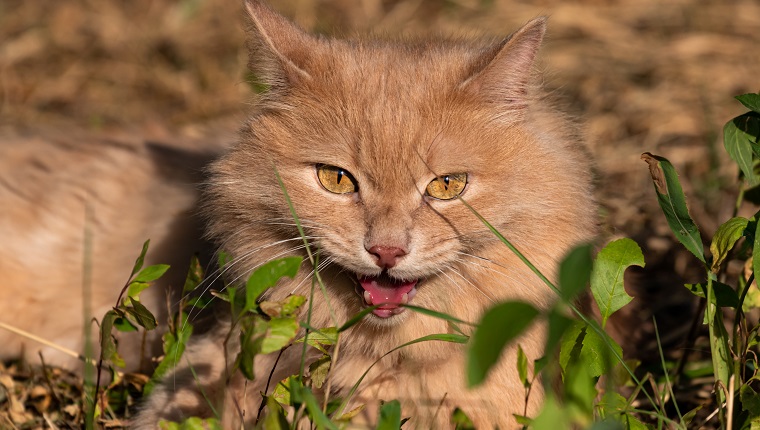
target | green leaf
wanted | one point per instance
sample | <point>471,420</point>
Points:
<point>390,416</point>
<point>252,336</point>
<point>725,239</point>
<point>275,416</point>
<point>194,275</point>
<point>673,204</point>
<point>267,276</point>
<point>134,290</point>
<point>281,392</point>
<point>167,425</point>
<point>580,386</point>
<point>196,423</point>
<point>500,325</point>
<point>689,417</point>
<point>725,295</point>
<point>108,350</point>
<point>143,317</point>
<point>281,332</point>
<point>461,421</point>
<point>751,101</point>
<point>522,366</point>
<point>572,342</point>
<point>141,259</point>
<point>595,354</point>
<point>607,275</point>
<point>756,254</point>
<point>582,343</point>
<point>558,324</point>
<point>223,259</point>
<point>552,416</point>
<point>737,137</point>
<point>151,273</point>
<point>319,369</point>
<point>750,403</point>
<point>291,304</point>
<point>523,420</point>
<point>174,347</point>
<point>608,425</point>
<point>321,338</point>
<point>284,308</point>
<point>575,271</point>
<point>124,325</point>
<point>301,394</point>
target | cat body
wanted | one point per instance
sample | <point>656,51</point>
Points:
<point>76,209</point>
<point>359,131</point>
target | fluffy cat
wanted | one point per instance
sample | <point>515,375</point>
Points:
<point>374,141</point>
<point>134,190</point>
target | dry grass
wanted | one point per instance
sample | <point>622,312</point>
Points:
<point>644,75</point>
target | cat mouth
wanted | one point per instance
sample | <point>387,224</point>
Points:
<point>389,293</point>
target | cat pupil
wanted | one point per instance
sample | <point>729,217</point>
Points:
<point>446,182</point>
<point>340,175</point>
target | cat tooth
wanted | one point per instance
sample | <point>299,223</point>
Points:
<point>412,293</point>
<point>405,299</point>
<point>367,297</point>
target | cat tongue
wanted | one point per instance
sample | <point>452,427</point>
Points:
<point>386,292</point>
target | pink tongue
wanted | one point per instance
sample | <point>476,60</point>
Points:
<point>385,291</point>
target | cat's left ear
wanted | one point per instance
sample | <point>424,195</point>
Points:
<point>503,74</point>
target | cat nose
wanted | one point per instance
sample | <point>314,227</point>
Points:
<point>386,256</point>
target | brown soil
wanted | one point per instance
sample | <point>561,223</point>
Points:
<point>643,75</point>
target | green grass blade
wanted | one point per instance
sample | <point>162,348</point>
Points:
<point>442,337</point>
<point>436,314</point>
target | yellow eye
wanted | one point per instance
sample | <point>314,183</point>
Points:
<point>447,187</point>
<point>335,179</point>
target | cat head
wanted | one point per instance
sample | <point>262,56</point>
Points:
<point>379,143</point>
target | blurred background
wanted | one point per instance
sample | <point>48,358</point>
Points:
<point>642,75</point>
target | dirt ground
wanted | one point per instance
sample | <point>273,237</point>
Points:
<point>642,75</point>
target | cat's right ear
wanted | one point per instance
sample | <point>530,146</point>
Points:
<point>279,51</point>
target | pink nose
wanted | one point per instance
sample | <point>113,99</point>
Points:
<point>386,256</point>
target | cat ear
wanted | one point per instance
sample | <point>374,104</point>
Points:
<point>504,72</point>
<point>279,51</point>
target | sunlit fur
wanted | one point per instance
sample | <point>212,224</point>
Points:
<point>395,114</point>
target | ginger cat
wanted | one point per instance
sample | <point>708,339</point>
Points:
<point>375,141</point>
<point>134,190</point>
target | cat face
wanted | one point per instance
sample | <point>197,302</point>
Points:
<point>378,146</point>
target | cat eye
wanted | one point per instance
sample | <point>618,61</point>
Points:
<point>447,187</point>
<point>335,179</point>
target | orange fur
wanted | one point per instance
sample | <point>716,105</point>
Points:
<point>134,190</point>
<point>395,115</point>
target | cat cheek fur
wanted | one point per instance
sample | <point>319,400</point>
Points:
<point>395,114</point>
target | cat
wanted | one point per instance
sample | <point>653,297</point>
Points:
<point>60,189</point>
<point>376,142</point>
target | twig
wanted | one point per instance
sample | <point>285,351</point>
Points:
<point>38,339</point>
<point>440,405</point>
<point>47,378</point>
<point>269,380</point>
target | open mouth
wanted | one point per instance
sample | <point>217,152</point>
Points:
<point>387,292</point>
